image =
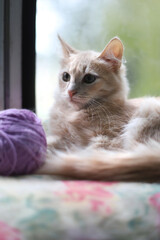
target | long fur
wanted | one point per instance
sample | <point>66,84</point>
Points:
<point>142,164</point>
<point>99,134</point>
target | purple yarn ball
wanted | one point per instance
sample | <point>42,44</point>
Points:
<point>22,142</point>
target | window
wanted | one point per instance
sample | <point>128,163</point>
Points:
<point>91,24</point>
<point>1,55</point>
<point>10,58</point>
<point>86,24</point>
<point>17,54</point>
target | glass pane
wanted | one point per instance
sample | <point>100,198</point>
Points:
<point>90,24</point>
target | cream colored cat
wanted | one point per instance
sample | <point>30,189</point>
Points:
<point>95,131</point>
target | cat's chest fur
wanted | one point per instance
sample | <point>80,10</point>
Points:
<point>83,127</point>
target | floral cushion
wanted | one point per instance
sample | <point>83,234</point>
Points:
<point>42,208</point>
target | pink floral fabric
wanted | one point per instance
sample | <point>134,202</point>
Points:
<point>78,191</point>
<point>42,208</point>
<point>9,233</point>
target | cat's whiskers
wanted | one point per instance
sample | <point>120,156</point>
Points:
<point>95,110</point>
<point>100,120</point>
<point>104,110</point>
<point>97,113</point>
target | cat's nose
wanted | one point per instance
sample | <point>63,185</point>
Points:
<point>71,93</point>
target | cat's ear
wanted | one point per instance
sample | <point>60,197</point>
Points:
<point>67,50</point>
<point>113,53</point>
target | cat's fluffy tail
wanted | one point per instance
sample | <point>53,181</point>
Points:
<point>140,164</point>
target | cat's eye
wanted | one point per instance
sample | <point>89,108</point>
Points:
<point>66,77</point>
<point>89,78</point>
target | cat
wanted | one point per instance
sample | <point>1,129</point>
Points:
<point>96,133</point>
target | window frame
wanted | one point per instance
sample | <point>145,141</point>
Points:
<point>17,58</point>
<point>2,54</point>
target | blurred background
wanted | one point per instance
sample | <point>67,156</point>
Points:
<point>90,24</point>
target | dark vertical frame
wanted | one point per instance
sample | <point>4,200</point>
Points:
<point>28,53</point>
<point>17,54</point>
<point>1,54</point>
<point>12,55</point>
<point>6,52</point>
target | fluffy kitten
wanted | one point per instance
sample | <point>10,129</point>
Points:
<point>95,132</point>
